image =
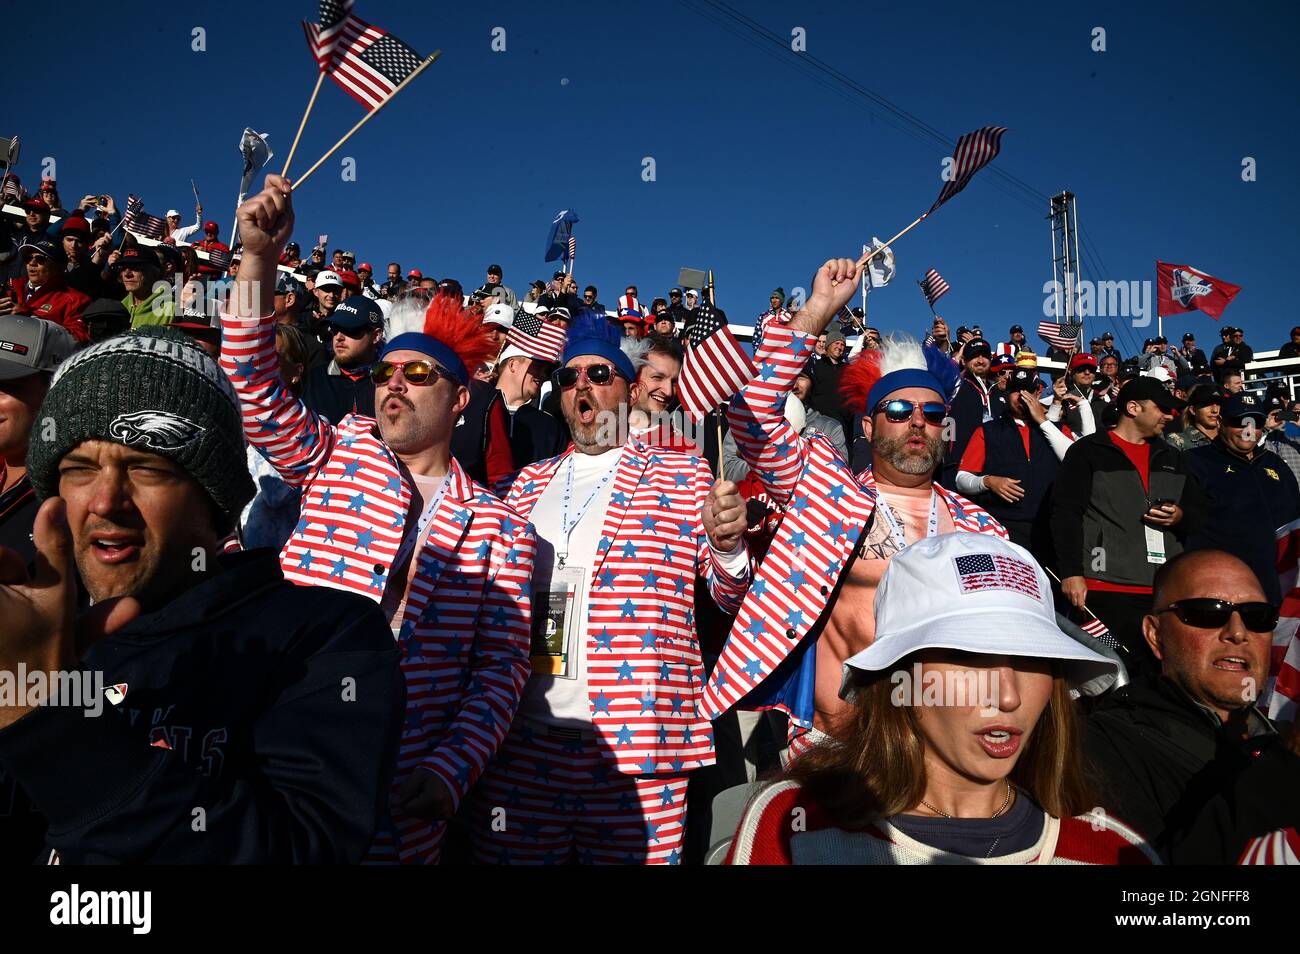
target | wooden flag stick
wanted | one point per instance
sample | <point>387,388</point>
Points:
<point>872,254</point>
<point>320,78</point>
<point>369,116</point>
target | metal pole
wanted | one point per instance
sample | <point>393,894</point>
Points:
<point>1074,230</point>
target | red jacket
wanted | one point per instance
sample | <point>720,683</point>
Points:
<point>54,302</point>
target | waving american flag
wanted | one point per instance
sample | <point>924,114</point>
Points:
<point>933,287</point>
<point>323,37</point>
<point>370,63</point>
<point>716,366</point>
<point>974,151</point>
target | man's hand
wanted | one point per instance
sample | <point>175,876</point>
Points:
<point>424,795</point>
<point>724,516</point>
<point>6,305</point>
<point>266,220</point>
<point>833,286</point>
<point>1008,488</point>
<point>88,202</point>
<point>109,204</point>
<point>40,629</point>
<point>198,210</point>
<point>1075,589</point>
<point>1034,409</point>
<point>1166,515</point>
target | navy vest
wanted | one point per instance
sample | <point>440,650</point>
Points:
<point>1004,456</point>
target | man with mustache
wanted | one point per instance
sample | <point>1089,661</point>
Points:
<point>387,512</point>
<point>812,596</point>
<point>596,765</point>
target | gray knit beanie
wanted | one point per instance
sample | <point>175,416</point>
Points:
<point>155,390</point>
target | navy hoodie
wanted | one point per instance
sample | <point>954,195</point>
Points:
<point>257,722</point>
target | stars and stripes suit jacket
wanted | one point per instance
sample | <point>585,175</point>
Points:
<point>644,671</point>
<point>826,508</point>
<point>465,630</point>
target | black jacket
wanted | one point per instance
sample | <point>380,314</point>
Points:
<point>1168,768</point>
<point>534,435</point>
<point>335,395</point>
<point>1246,502</point>
<point>273,708</point>
<point>967,413</point>
<point>1098,503</point>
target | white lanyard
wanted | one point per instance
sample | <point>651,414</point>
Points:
<point>566,526</point>
<point>411,539</point>
<point>896,531</point>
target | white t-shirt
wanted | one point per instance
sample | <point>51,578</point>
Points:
<point>555,699</point>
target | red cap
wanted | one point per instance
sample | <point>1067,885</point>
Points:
<point>365,267</point>
<point>210,227</point>
<point>75,225</point>
<point>350,280</point>
<point>415,273</point>
<point>35,205</point>
<point>1079,360</point>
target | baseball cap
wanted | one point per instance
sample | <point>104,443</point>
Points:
<point>1160,373</point>
<point>29,344</point>
<point>414,273</point>
<point>137,258</point>
<point>1024,379</point>
<point>109,310</point>
<point>976,347</point>
<point>1244,405</point>
<point>494,270</point>
<point>35,205</point>
<point>1083,361</point>
<point>1145,388</point>
<point>1108,337</point>
<point>1203,395</point>
<point>366,267</point>
<point>287,284</point>
<point>357,312</point>
<point>674,291</point>
<point>1188,336</point>
<point>350,279</point>
<point>328,277</point>
<point>560,312</point>
<point>1015,329</point>
<point>173,214</point>
<point>975,593</point>
<point>210,226</point>
<point>501,315</point>
<point>46,247</point>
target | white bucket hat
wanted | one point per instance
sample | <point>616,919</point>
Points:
<point>977,593</point>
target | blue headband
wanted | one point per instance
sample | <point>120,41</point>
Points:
<point>416,341</point>
<point>897,380</point>
<point>604,349</point>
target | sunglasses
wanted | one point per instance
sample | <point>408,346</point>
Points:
<point>898,411</point>
<point>416,372</point>
<point>599,374</point>
<point>1206,613</point>
<point>329,330</point>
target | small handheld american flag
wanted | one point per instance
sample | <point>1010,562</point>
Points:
<point>140,222</point>
<point>219,258</point>
<point>1063,335</point>
<point>716,366</point>
<point>537,339</point>
<point>933,287</point>
<point>370,63</point>
<point>974,151</point>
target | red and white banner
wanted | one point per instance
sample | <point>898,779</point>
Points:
<point>1182,288</point>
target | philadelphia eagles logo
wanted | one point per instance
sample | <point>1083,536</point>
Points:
<point>157,430</point>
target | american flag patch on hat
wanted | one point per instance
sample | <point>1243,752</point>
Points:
<point>977,572</point>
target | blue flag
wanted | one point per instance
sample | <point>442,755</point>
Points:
<point>557,243</point>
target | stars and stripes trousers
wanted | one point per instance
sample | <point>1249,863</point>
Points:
<point>552,796</point>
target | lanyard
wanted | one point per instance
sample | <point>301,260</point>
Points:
<point>566,526</point>
<point>411,539</point>
<point>896,531</point>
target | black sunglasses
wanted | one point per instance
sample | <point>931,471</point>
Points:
<point>1206,613</point>
<point>596,374</point>
<point>329,330</point>
<point>897,411</point>
<point>416,372</point>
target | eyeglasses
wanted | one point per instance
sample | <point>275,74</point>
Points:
<point>416,372</point>
<point>599,374</point>
<point>1206,613</point>
<point>36,259</point>
<point>897,411</point>
<point>329,330</point>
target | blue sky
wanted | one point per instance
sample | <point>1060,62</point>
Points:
<point>761,171</point>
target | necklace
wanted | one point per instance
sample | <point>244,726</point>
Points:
<point>1005,802</point>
